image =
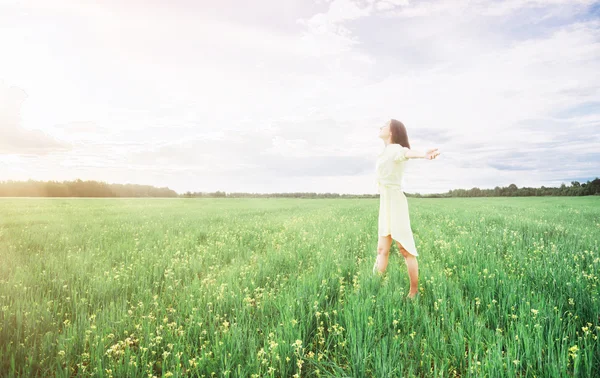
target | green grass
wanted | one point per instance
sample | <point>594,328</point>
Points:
<point>283,287</point>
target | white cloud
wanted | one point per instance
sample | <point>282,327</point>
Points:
<point>14,139</point>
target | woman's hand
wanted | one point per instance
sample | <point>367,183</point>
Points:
<point>431,154</point>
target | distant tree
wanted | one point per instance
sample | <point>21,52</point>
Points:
<point>79,188</point>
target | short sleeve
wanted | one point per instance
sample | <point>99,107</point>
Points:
<point>400,153</point>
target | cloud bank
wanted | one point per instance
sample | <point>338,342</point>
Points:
<point>289,96</point>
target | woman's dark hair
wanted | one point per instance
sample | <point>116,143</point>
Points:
<point>399,135</point>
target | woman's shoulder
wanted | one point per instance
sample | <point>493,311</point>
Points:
<point>399,152</point>
<point>393,149</point>
<point>396,147</point>
<point>401,148</point>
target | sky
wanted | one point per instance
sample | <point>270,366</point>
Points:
<point>289,95</point>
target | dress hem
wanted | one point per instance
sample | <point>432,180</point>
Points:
<point>414,254</point>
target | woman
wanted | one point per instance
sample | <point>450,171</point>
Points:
<point>394,222</point>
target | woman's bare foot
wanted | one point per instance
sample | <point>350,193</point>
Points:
<point>411,295</point>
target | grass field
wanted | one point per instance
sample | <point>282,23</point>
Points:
<point>283,288</point>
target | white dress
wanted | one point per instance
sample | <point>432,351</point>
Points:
<point>393,206</point>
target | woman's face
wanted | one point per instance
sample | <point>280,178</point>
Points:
<point>384,131</point>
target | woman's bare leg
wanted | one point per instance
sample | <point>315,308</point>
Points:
<point>383,253</point>
<point>413,270</point>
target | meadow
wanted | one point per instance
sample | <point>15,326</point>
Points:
<point>509,287</point>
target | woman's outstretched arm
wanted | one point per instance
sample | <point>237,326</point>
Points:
<point>430,154</point>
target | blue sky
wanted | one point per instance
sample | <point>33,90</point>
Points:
<point>286,96</point>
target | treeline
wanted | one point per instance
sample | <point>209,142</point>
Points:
<point>79,188</point>
<point>576,189</point>
<point>219,194</point>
